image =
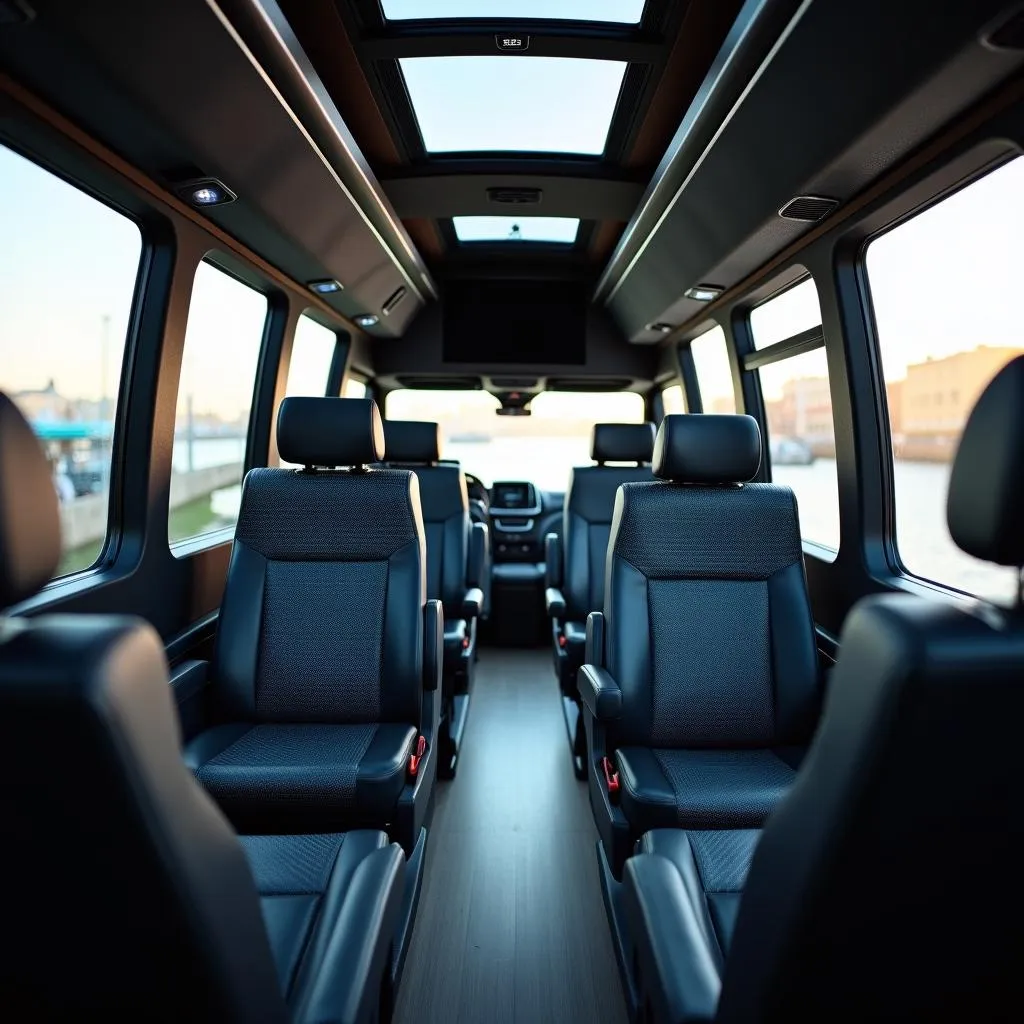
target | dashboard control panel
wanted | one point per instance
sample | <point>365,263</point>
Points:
<point>516,522</point>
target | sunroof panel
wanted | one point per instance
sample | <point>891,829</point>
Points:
<point>513,104</point>
<point>516,229</point>
<point>622,12</point>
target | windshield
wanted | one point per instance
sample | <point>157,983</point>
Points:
<point>541,448</point>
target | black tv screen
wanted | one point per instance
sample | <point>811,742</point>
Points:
<point>520,322</point>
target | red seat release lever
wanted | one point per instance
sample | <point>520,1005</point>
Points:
<point>611,778</point>
<point>414,759</point>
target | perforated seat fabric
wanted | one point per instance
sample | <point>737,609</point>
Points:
<point>273,776</point>
<point>695,789</point>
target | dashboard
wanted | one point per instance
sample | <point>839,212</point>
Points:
<point>520,517</point>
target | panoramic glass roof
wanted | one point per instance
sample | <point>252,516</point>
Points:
<point>623,12</point>
<point>513,104</point>
<point>516,229</point>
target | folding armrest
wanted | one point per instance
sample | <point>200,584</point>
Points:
<point>554,601</point>
<point>594,651</point>
<point>472,603</point>
<point>678,971</point>
<point>479,555</point>
<point>433,645</point>
<point>553,561</point>
<point>600,693</point>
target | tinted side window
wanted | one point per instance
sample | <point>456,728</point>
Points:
<point>222,347</point>
<point>945,286</point>
<point>672,400</point>
<point>714,375</point>
<point>312,353</point>
<point>798,407</point>
<point>68,271</point>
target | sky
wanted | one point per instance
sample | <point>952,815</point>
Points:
<point>538,104</point>
<point>626,11</point>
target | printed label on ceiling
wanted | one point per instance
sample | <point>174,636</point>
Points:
<point>512,44</point>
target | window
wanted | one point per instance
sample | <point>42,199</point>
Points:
<point>621,12</point>
<point>516,229</point>
<point>218,375</point>
<point>525,104</point>
<point>798,408</point>
<point>68,271</point>
<point>714,374</point>
<point>355,388</point>
<point>792,312</point>
<point>312,354</point>
<point>673,400</point>
<point>541,448</point>
<point>945,286</point>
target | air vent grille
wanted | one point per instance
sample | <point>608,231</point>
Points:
<point>515,196</point>
<point>393,300</point>
<point>588,384</point>
<point>440,383</point>
<point>515,383</point>
<point>809,209</point>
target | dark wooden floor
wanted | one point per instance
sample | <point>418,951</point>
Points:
<point>511,927</point>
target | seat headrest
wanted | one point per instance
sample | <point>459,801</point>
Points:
<point>985,505</point>
<point>412,441</point>
<point>622,442</point>
<point>29,510</point>
<point>330,431</point>
<point>698,448</point>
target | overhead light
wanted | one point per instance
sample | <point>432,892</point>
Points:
<point>204,192</point>
<point>326,287</point>
<point>367,320</point>
<point>660,327</point>
<point>703,292</point>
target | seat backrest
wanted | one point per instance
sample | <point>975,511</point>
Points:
<point>881,885</point>
<point>707,621</point>
<point>415,445</point>
<point>589,502</point>
<point>130,896</point>
<point>322,617</point>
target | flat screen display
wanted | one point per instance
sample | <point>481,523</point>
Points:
<point>515,322</point>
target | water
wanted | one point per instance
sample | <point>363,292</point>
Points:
<point>207,451</point>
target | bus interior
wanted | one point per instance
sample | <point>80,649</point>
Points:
<point>511,510</point>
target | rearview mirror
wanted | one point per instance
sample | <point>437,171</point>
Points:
<point>514,403</point>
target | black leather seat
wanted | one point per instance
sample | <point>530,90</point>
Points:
<point>325,640</point>
<point>575,560</point>
<point>457,557</point>
<point>131,896</point>
<point>701,688</point>
<point>876,891</point>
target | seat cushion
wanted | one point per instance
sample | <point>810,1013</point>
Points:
<point>713,866</point>
<point>330,904</point>
<point>277,778</point>
<point>700,788</point>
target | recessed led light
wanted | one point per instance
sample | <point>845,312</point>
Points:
<point>367,320</point>
<point>324,287</point>
<point>704,292</point>
<point>661,327</point>
<point>204,192</point>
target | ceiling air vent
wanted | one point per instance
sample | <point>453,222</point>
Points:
<point>809,209</point>
<point>515,196</point>
<point>514,383</point>
<point>440,383</point>
<point>391,304</point>
<point>588,383</point>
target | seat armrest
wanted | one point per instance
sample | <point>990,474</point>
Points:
<point>600,693</point>
<point>472,603</point>
<point>553,561</point>
<point>477,563</point>
<point>554,601</point>
<point>594,652</point>
<point>678,972</point>
<point>433,644</point>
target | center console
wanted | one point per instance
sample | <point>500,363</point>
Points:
<point>516,522</point>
